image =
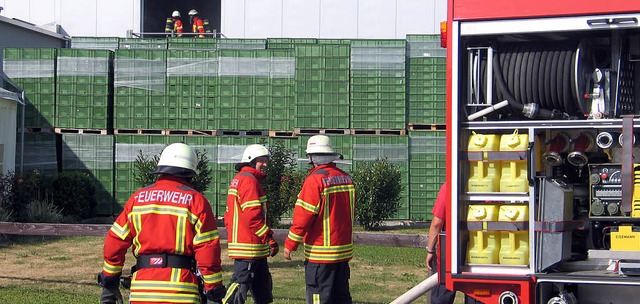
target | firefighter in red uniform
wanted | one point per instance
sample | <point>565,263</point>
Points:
<point>250,240</point>
<point>197,25</point>
<point>174,236</point>
<point>323,219</point>
<point>174,24</point>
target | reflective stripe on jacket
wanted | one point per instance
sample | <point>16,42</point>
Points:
<point>245,216</point>
<point>323,216</point>
<point>166,217</point>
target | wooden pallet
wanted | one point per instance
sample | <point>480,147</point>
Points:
<point>191,132</point>
<point>427,127</point>
<point>310,131</point>
<point>139,131</point>
<point>378,131</point>
<point>282,134</point>
<point>79,131</point>
<point>242,132</point>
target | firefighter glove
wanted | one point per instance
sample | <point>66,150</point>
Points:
<point>215,295</point>
<point>273,247</point>
<point>108,282</point>
<point>111,296</point>
<point>110,292</point>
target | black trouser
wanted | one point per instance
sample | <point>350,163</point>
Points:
<point>441,295</point>
<point>327,283</point>
<point>250,275</point>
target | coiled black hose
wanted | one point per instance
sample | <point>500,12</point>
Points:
<point>537,78</point>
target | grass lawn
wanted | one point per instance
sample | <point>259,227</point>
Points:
<point>63,270</point>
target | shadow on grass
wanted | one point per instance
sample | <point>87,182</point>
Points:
<point>49,281</point>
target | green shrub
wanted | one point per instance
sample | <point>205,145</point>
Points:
<point>378,187</point>
<point>281,183</point>
<point>74,192</point>
<point>145,164</point>
<point>43,211</point>
<point>16,191</point>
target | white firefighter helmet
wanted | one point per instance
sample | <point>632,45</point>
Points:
<point>254,151</point>
<point>175,14</point>
<point>193,12</point>
<point>178,159</point>
<point>319,144</point>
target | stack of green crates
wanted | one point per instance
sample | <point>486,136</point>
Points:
<point>139,89</point>
<point>427,164</point>
<point>95,43</point>
<point>83,91</point>
<point>282,89</point>
<point>244,89</point>
<point>241,44</point>
<point>322,87</point>
<point>191,43</point>
<point>92,154</point>
<point>378,84</point>
<point>288,43</point>
<point>369,148</point>
<point>33,69</point>
<point>192,89</point>
<point>142,43</point>
<point>39,153</point>
<point>427,76</point>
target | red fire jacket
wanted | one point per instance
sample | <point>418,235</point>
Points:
<point>245,216</point>
<point>166,217</point>
<point>323,216</point>
<point>197,26</point>
<point>177,26</point>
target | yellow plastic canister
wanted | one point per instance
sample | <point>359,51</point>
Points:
<point>484,176</point>
<point>514,245</point>
<point>483,246</point>
<point>513,177</point>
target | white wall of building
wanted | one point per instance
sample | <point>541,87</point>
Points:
<point>100,18</point>
<point>8,110</point>
<point>334,19</point>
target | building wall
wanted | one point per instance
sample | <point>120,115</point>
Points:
<point>335,19</point>
<point>93,18</point>
<point>8,110</point>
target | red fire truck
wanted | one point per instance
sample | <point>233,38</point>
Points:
<point>544,180</point>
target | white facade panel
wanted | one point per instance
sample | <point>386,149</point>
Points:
<point>416,17</point>
<point>42,11</point>
<point>232,20</point>
<point>263,18</point>
<point>79,17</point>
<point>111,22</point>
<point>301,18</point>
<point>377,19</point>
<point>8,110</point>
<point>338,19</point>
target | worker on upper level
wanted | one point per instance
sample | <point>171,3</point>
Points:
<point>174,24</point>
<point>197,26</point>
<point>174,236</point>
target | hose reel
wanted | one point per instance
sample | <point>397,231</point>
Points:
<point>547,81</point>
